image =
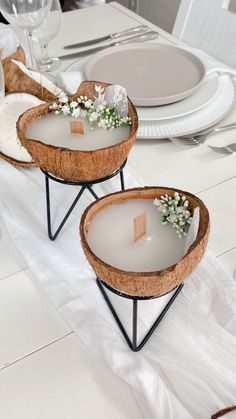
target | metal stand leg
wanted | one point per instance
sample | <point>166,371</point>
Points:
<point>133,344</point>
<point>84,185</point>
<point>122,183</point>
<point>135,323</point>
<point>49,224</point>
<point>89,187</point>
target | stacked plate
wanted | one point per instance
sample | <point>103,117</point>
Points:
<point>173,93</point>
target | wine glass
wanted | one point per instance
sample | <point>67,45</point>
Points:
<point>26,15</point>
<point>43,35</point>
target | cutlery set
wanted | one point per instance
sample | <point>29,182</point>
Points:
<point>146,36</point>
<point>136,31</point>
<point>137,34</point>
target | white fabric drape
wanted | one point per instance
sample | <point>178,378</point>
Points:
<point>187,370</point>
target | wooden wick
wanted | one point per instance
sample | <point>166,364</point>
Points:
<point>76,127</point>
<point>140,226</point>
<point>223,412</point>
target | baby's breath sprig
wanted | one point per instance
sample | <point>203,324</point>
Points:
<point>174,210</point>
<point>100,116</point>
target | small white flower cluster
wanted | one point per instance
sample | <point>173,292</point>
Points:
<point>96,113</point>
<point>174,210</point>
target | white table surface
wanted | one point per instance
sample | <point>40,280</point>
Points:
<point>45,370</point>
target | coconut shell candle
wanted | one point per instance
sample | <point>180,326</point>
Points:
<point>96,154</point>
<point>156,250</point>
<point>156,263</point>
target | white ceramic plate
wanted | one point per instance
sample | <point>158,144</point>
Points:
<point>206,92</point>
<point>153,73</point>
<point>180,124</point>
<point>199,120</point>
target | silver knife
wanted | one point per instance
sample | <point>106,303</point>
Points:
<point>136,30</point>
<point>147,36</point>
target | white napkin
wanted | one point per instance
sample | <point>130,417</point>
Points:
<point>9,41</point>
<point>70,81</point>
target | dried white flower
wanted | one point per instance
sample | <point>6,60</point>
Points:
<point>99,89</point>
<point>63,98</point>
<point>93,116</point>
<point>76,112</point>
<point>174,211</point>
<point>65,110</point>
<point>54,106</point>
<point>88,103</point>
<point>96,113</point>
<point>74,104</point>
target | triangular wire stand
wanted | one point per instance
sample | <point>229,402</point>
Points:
<point>133,343</point>
<point>84,186</point>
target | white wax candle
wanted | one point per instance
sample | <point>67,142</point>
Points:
<point>55,130</point>
<point>110,237</point>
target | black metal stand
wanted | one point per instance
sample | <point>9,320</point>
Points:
<point>84,185</point>
<point>133,343</point>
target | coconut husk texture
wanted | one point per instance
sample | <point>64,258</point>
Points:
<point>76,165</point>
<point>223,412</point>
<point>18,163</point>
<point>16,81</point>
<point>145,284</point>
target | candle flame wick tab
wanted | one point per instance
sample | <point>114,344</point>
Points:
<point>140,226</point>
<point>76,127</point>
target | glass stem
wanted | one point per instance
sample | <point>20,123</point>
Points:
<point>44,52</point>
<point>31,49</point>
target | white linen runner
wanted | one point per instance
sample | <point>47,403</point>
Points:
<point>187,369</point>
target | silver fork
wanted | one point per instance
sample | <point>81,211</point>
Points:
<point>199,138</point>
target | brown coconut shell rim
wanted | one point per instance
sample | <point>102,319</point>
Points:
<point>200,235</point>
<point>17,162</point>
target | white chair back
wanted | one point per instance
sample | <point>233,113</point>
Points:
<point>209,25</point>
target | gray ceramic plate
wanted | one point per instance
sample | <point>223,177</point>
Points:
<point>153,73</point>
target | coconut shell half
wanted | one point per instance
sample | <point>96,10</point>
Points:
<point>19,55</point>
<point>145,284</point>
<point>18,79</point>
<point>76,165</point>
